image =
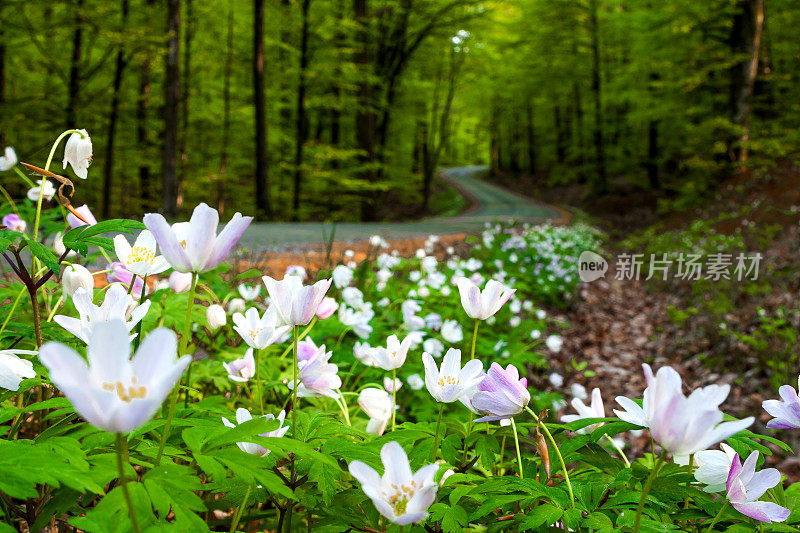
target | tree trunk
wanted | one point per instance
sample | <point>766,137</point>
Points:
<point>494,142</point>
<point>599,184</point>
<point>561,152</point>
<point>301,123</point>
<point>142,137</point>
<point>365,117</point>
<point>108,164</point>
<point>188,30</point>
<point>531,139</point>
<point>226,115</point>
<point>172,86</point>
<point>2,77</point>
<point>74,68</point>
<point>745,43</point>
<point>652,155</point>
<point>263,209</point>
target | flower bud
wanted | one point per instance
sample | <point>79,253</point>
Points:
<point>236,305</point>
<point>216,317</point>
<point>326,308</point>
<point>180,281</point>
<point>14,223</point>
<point>58,246</point>
<point>74,277</point>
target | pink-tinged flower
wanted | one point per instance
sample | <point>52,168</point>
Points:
<point>327,307</point>
<point>745,486</point>
<point>377,404</point>
<point>13,369</point>
<point>195,246</point>
<point>483,304</point>
<point>317,376</point>
<point>249,292</point>
<point>595,410</point>
<point>399,495</point>
<point>120,274</point>
<point>34,192</point>
<point>394,355</point>
<point>295,303</point>
<point>683,426</point>
<point>713,467</point>
<point>141,258</point>
<point>216,317</point>
<point>86,213</point>
<point>8,159</point>
<point>296,270</point>
<point>242,416</point>
<point>113,391</point>
<point>259,331</point>
<point>115,306</point>
<point>361,352</point>
<point>786,410</point>
<point>180,282</point>
<point>78,153</point>
<point>502,394</point>
<point>14,223</point>
<point>450,382</point>
<point>243,369</point>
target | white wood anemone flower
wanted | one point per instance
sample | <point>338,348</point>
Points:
<point>8,159</point>
<point>34,192</point>
<point>483,304</point>
<point>141,258</point>
<point>243,369</point>
<point>450,382</point>
<point>259,331</point>
<point>377,405</point>
<point>194,246</point>
<point>78,153</point>
<point>393,355</point>
<point>399,495</point>
<point>295,303</point>
<point>113,391</point>
<point>116,305</point>
<point>242,416</point>
<point>13,369</point>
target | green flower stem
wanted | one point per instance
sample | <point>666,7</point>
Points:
<point>342,403</point>
<point>302,335</point>
<point>11,311</point>
<point>619,451</point>
<point>294,380</point>
<point>258,381</point>
<point>394,395</point>
<point>558,454</point>
<point>716,518</point>
<point>9,200</point>
<point>187,335</point>
<point>519,456</point>
<point>436,437</point>
<point>637,524</point>
<point>474,339</point>
<point>173,398</point>
<point>142,297</point>
<point>122,460</point>
<point>22,175</point>
<point>689,483</point>
<point>238,515</point>
<point>44,180</point>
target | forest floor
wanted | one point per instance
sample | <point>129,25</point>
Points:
<point>618,325</point>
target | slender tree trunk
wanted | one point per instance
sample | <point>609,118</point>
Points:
<point>561,152</point>
<point>652,154</point>
<point>262,184</point>
<point>2,76</point>
<point>494,142</point>
<point>172,98</point>
<point>531,138</point>
<point>108,164</point>
<point>745,42</point>
<point>188,30</point>
<point>74,67</point>
<point>365,117</point>
<point>142,136</point>
<point>301,122</point>
<point>226,115</point>
<point>579,127</point>
<point>599,184</point>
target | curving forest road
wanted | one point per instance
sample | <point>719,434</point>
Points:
<point>489,203</point>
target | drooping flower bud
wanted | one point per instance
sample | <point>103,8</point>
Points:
<point>180,281</point>
<point>74,277</point>
<point>216,317</point>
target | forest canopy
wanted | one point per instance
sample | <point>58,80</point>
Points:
<point>344,109</point>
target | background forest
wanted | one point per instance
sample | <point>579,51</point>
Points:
<point>343,109</point>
